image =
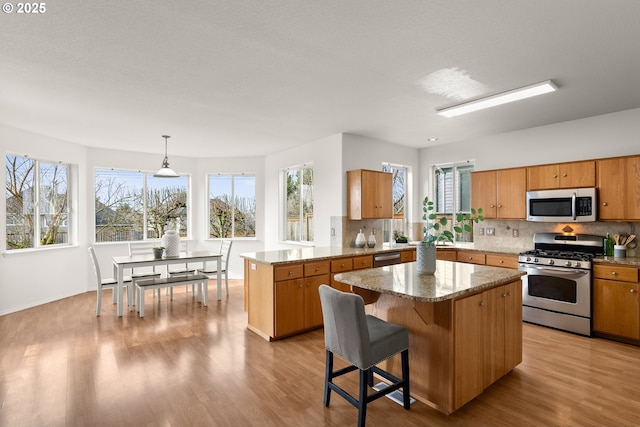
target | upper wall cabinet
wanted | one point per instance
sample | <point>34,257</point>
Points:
<point>619,188</point>
<point>369,194</point>
<point>563,175</point>
<point>500,193</point>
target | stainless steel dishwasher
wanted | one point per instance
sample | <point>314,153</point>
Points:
<point>386,258</point>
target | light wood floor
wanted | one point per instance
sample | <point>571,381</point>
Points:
<point>184,365</point>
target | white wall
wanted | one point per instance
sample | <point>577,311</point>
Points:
<point>33,277</point>
<point>608,135</point>
<point>326,156</point>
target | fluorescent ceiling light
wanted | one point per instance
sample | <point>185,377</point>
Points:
<point>499,99</point>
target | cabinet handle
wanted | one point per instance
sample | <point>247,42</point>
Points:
<point>633,291</point>
<point>604,203</point>
<point>564,175</point>
<point>614,273</point>
<point>501,261</point>
<point>504,295</point>
<point>509,293</point>
<point>481,303</point>
<point>317,268</point>
<point>470,258</point>
<point>492,206</point>
<point>300,285</point>
<point>555,176</point>
<point>499,205</point>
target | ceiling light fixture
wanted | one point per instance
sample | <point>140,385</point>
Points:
<point>499,99</point>
<point>165,171</point>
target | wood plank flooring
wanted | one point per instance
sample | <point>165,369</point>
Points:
<point>187,365</point>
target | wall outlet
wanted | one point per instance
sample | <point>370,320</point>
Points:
<point>333,232</point>
<point>481,231</point>
<point>491,231</point>
<point>515,233</point>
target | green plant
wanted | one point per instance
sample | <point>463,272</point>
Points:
<point>399,237</point>
<point>435,231</point>
<point>158,248</point>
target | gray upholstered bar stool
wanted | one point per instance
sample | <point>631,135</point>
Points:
<point>364,341</point>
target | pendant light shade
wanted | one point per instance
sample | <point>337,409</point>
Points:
<point>165,171</point>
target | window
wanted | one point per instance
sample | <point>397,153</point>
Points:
<point>298,201</point>
<point>37,208</point>
<point>453,191</point>
<point>136,205</point>
<point>399,223</point>
<point>232,206</point>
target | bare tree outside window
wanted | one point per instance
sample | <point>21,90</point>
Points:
<point>36,199</point>
<point>232,206</point>
<point>126,199</point>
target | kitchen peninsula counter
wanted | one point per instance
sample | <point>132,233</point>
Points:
<point>464,323</point>
<point>285,256</point>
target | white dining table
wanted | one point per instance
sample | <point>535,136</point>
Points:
<point>120,263</point>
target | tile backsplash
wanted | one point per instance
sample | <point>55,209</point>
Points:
<point>345,231</point>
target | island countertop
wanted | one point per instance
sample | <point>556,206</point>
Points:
<point>451,280</point>
<point>285,256</point>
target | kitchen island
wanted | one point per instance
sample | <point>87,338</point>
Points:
<point>464,322</point>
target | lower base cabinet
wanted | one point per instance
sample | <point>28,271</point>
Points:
<point>488,339</point>
<point>616,305</point>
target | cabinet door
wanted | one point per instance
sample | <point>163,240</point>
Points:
<point>289,306</point>
<point>543,177</point>
<point>619,188</point>
<point>577,174</point>
<point>469,349</point>
<point>483,192</point>
<point>513,325</point>
<point>312,306</point>
<point>506,261</point>
<point>494,337</point>
<point>511,192</point>
<point>471,257</point>
<point>369,198</point>
<point>385,195</point>
<point>616,308</point>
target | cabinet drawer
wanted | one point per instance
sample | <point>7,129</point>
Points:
<point>471,257</point>
<point>360,262</point>
<point>615,272</point>
<point>286,272</point>
<point>316,268</point>
<point>342,264</point>
<point>448,255</point>
<point>406,256</point>
<point>507,261</point>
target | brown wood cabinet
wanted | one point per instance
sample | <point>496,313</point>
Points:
<point>502,260</point>
<point>500,193</point>
<point>369,194</point>
<point>471,257</point>
<point>619,188</point>
<point>562,175</point>
<point>616,306</point>
<point>488,339</point>
<point>447,255</point>
<point>297,301</point>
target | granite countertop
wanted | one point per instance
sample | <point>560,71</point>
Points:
<point>630,261</point>
<point>285,256</point>
<point>451,280</point>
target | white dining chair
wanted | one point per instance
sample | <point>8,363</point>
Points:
<point>212,272</point>
<point>106,283</point>
<point>138,248</point>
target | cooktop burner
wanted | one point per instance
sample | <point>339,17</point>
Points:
<point>571,255</point>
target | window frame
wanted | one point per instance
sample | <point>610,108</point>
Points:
<point>283,204</point>
<point>406,217</point>
<point>145,217</point>
<point>71,212</point>
<point>233,176</point>
<point>456,197</point>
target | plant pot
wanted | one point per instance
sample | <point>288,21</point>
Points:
<point>157,253</point>
<point>425,258</point>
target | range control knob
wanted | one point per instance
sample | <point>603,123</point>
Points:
<point>578,264</point>
<point>551,262</point>
<point>567,264</point>
<point>528,259</point>
<point>535,260</point>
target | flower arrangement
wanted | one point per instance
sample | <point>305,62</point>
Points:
<point>435,231</point>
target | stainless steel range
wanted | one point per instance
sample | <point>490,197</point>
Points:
<point>556,291</point>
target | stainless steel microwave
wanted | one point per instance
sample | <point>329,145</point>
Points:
<point>565,205</point>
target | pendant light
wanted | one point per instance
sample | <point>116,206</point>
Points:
<point>165,171</point>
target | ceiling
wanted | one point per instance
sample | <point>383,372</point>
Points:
<point>253,77</point>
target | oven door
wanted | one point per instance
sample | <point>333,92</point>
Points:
<point>557,289</point>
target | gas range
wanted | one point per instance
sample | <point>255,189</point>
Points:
<point>556,291</point>
<point>570,251</point>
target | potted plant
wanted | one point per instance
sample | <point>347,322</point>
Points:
<point>399,237</point>
<point>157,251</point>
<point>436,231</point>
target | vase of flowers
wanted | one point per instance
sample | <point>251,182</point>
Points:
<point>436,231</point>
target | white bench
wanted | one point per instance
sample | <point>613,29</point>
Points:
<point>169,282</point>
